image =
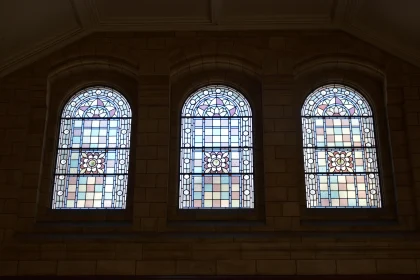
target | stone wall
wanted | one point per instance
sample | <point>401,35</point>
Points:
<point>156,71</point>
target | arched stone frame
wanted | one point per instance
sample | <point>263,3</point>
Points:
<point>183,84</point>
<point>63,82</point>
<point>371,84</point>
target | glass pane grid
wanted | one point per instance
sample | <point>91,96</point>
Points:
<point>216,191</point>
<point>89,161</point>
<point>93,151</point>
<point>90,191</point>
<point>216,154</point>
<point>341,165</point>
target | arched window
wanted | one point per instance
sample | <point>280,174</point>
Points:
<point>216,161</point>
<point>93,151</point>
<point>341,166</point>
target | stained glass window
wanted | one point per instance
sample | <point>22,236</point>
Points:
<point>341,165</point>
<point>93,151</point>
<point>216,161</point>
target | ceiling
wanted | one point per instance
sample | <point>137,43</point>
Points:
<point>30,29</point>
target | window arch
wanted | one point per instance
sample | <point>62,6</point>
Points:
<point>339,147</point>
<point>216,154</point>
<point>93,151</point>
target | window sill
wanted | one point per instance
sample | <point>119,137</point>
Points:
<point>78,216</point>
<point>363,217</point>
<point>363,223</point>
<point>218,216</point>
<point>214,223</point>
<point>347,213</point>
<point>152,236</point>
<point>84,224</point>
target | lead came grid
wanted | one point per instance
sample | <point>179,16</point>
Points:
<point>216,168</point>
<point>93,151</point>
<point>340,156</point>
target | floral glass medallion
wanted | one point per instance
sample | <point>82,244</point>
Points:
<point>340,161</point>
<point>93,151</point>
<point>216,168</point>
<point>341,167</point>
<point>216,162</point>
<point>92,163</point>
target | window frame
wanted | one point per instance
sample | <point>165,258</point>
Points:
<point>372,116</point>
<point>59,134</point>
<point>62,87</point>
<point>372,87</point>
<point>181,90</point>
<point>193,147</point>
